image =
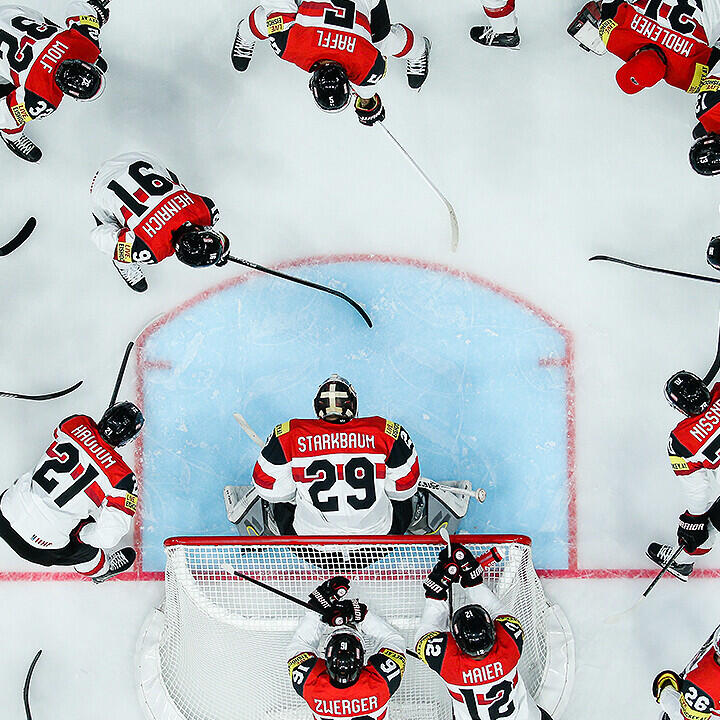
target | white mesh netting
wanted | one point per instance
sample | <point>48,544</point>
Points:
<point>219,650</point>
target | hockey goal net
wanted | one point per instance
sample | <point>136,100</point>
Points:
<point>216,649</point>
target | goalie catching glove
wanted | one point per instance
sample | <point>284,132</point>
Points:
<point>346,612</point>
<point>329,593</point>
<point>441,577</point>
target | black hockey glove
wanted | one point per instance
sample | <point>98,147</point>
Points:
<point>692,531</point>
<point>329,593</point>
<point>441,577</point>
<point>370,111</point>
<point>345,612</point>
<point>664,679</point>
<point>470,569</point>
<point>102,10</point>
<point>223,259</point>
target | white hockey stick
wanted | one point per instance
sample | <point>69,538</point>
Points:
<point>455,228</point>
<point>480,495</point>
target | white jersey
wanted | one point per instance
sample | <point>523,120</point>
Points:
<point>79,476</point>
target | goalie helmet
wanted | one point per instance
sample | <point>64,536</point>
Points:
<point>198,246</point>
<point>705,155</point>
<point>473,630</point>
<point>121,423</point>
<point>344,658</point>
<point>643,70</point>
<point>687,393</point>
<point>336,400</point>
<point>330,86</point>
<point>80,80</point>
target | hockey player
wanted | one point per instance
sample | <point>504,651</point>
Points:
<point>705,152</point>
<point>144,215</point>
<point>672,40</point>
<point>693,450</point>
<point>695,693</point>
<point>80,500</point>
<point>339,683</point>
<point>338,474</point>
<point>340,43</point>
<point>502,30</point>
<point>477,651</point>
<point>42,63</point>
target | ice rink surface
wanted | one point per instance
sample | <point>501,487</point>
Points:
<point>546,162</point>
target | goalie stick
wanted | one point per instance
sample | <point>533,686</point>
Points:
<point>307,283</point>
<point>20,238</point>
<point>480,494</point>
<point>650,268</point>
<point>48,396</point>
<point>26,687</point>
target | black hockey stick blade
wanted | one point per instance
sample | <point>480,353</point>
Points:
<point>48,396</point>
<point>20,238</point>
<point>713,371</point>
<point>121,372</point>
<point>663,271</point>
<point>307,283</point>
<point>26,688</point>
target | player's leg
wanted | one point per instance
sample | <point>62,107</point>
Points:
<point>403,43</point>
<point>502,31</point>
<point>12,133</point>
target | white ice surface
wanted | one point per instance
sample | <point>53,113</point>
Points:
<point>546,163</point>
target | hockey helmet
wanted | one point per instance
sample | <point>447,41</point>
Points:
<point>645,68</point>
<point>344,657</point>
<point>80,80</point>
<point>336,400</point>
<point>473,630</point>
<point>198,246</point>
<point>705,155</point>
<point>121,423</point>
<point>716,641</point>
<point>687,393</point>
<point>330,86</point>
<point>713,251</point>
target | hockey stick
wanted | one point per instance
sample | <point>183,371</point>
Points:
<point>121,373</point>
<point>20,238</point>
<point>232,571</point>
<point>26,688</point>
<point>664,569</point>
<point>48,396</point>
<point>663,271</point>
<point>445,535</point>
<point>713,371</point>
<point>245,425</point>
<point>307,283</point>
<point>454,227</point>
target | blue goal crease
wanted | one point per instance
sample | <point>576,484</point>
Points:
<point>474,376</point>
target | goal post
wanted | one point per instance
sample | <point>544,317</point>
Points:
<point>216,649</point>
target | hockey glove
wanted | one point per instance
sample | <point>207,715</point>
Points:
<point>441,577</point>
<point>344,613</point>
<point>101,10</point>
<point>585,28</point>
<point>329,593</point>
<point>664,679</point>
<point>370,111</point>
<point>470,569</point>
<point>692,531</point>
<point>223,259</point>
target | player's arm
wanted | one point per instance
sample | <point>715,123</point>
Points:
<point>272,474</point>
<point>267,19</point>
<point>302,651</point>
<point>389,660</point>
<point>666,689</point>
<point>87,17</point>
<point>114,518</point>
<point>403,466</point>
<point>435,619</point>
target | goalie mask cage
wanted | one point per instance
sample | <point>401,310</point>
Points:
<point>216,649</point>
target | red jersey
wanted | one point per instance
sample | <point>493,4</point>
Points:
<point>481,688</point>
<point>700,687</point>
<point>367,699</point>
<point>325,31</point>
<point>342,476</point>
<point>672,26</point>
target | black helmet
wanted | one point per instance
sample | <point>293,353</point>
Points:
<point>705,155</point>
<point>336,400</point>
<point>330,86</point>
<point>79,79</point>
<point>687,393</point>
<point>713,252</point>
<point>344,658</point>
<point>198,246</point>
<point>121,423</point>
<point>473,630</point>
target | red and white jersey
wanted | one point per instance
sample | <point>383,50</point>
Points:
<point>684,30</point>
<point>32,47</point>
<point>694,450</point>
<point>304,33</point>
<point>138,204</point>
<point>485,688</point>
<point>342,476</point>
<point>80,476</point>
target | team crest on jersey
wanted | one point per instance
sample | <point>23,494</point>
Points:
<point>392,429</point>
<point>282,429</point>
<point>131,501</point>
<point>275,25</point>
<point>21,114</point>
<point>678,463</point>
